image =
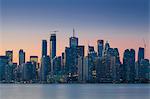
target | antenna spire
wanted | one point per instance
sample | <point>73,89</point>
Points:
<point>73,32</point>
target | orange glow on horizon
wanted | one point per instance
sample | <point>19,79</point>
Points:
<point>36,48</point>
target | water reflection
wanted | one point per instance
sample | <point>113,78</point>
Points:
<point>75,91</point>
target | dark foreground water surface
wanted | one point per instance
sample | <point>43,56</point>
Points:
<point>75,91</point>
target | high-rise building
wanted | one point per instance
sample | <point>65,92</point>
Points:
<point>129,65</point>
<point>28,71</point>
<point>91,49</point>
<point>117,64</point>
<point>142,66</point>
<point>45,68</point>
<point>34,60</point>
<point>105,50</point>
<point>56,65</point>
<point>116,54</point>
<point>62,60</point>
<point>10,55</point>
<point>113,64</point>
<point>113,69</point>
<point>100,69</point>
<point>6,69</point>
<point>21,56</point>
<point>52,46</point>
<point>125,68</point>
<point>92,55</point>
<point>80,50</point>
<point>106,66</point>
<point>72,54</point>
<point>80,65</point>
<point>143,70</point>
<point>73,41</point>
<point>100,46</point>
<point>44,48</point>
<point>14,68</point>
<point>132,65</point>
<point>140,54</point>
<point>71,60</point>
<point>4,61</point>
<point>85,69</point>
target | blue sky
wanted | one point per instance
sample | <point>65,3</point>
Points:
<point>29,21</point>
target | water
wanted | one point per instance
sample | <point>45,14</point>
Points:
<point>75,91</point>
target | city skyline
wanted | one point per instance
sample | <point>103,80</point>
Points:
<point>47,50</point>
<point>58,53</point>
<point>25,23</point>
<point>74,49</point>
<point>101,65</point>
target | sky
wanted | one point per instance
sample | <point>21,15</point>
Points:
<point>24,23</point>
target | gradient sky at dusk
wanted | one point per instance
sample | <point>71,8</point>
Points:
<point>24,23</point>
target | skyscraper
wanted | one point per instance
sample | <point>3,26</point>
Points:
<point>81,68</point>
<point>21,56</point>
<point>85,69</point>
<point>116,54</point>
<point>44,48</point>
<point>126,57</point>
<point>117,63</point>
<point>4,60</point>
<point>112,63</point>
<point>100,45</point>
<point>34,60</point>
<point>63,60</point>
<point>80,63</point>
<point>143,70</point>
<point>70,60</point>
<point>91,49</point>
<point>129,65</point>
<point>140,54</point>
<point>73,41</point>
<point>45,68</point>
<point>92,55</point>
<point>28,71</point>
<point>80,51</point>
<point>107,46</point>
<point>132,65</point>
<point>72,53</point>
<point>52,46</point>
<point>56,65</point>
<point>10,55</point>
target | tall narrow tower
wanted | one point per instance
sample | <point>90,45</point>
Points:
<point>73,40</point>
<point>9,53</point>
<point>52,46</point>
<point>100,46</point>
<point>44,48</point>
<point>73,32</point>
<point>141,54</point>
<point>21,56</point>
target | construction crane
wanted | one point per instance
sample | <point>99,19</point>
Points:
<point>144,43</point>
<point>54,31</point>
